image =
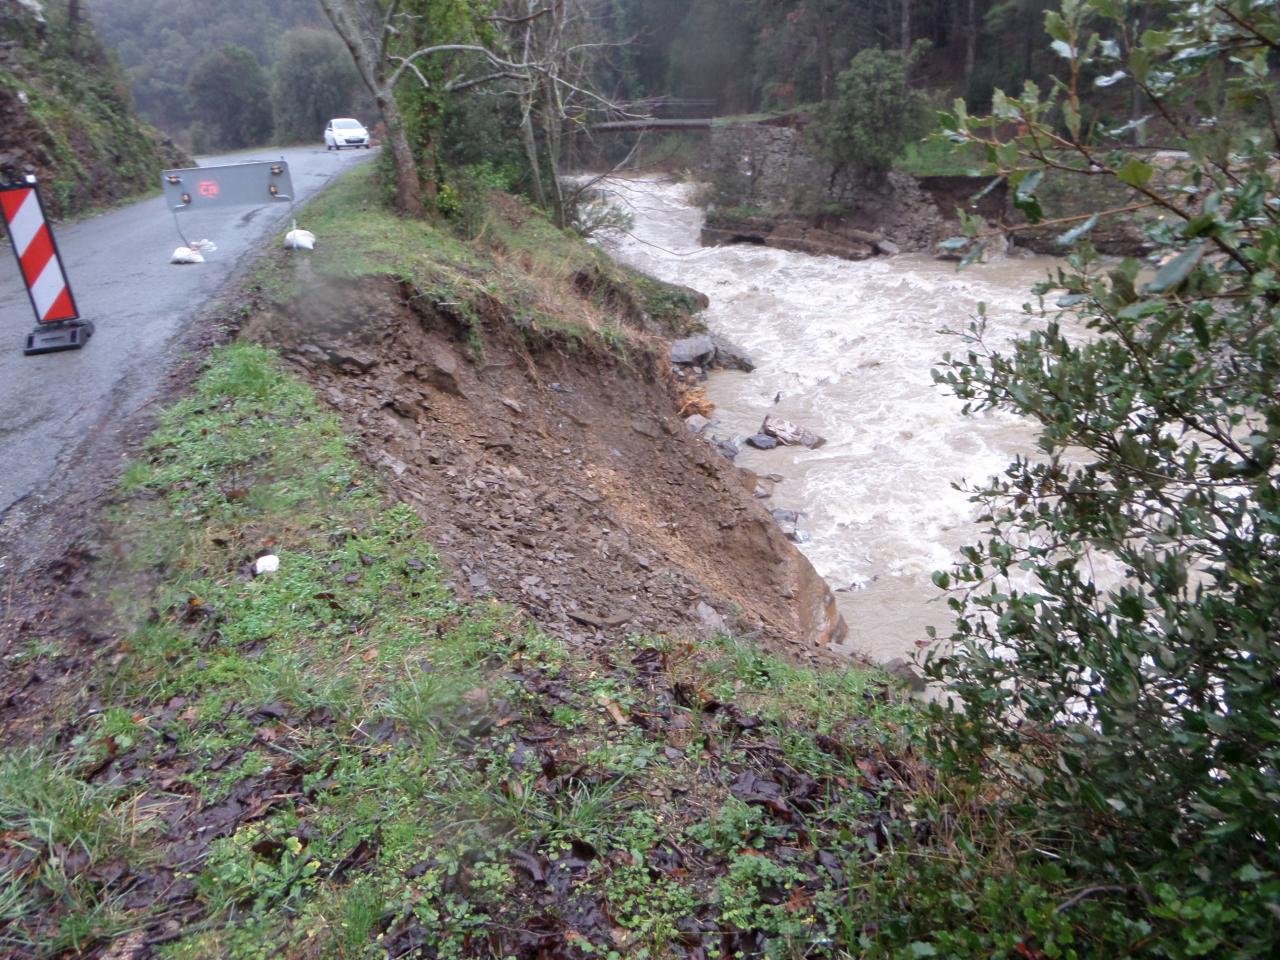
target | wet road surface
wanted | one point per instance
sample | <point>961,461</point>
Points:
<point>118,265</point>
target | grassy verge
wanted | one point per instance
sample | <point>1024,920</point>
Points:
<point>493,257</point>
<point>340,759</point>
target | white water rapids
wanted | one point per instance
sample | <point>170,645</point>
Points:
<point>849,346</point>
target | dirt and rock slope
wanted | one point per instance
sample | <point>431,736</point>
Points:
<point>551,470</point>
<point>553,474</point>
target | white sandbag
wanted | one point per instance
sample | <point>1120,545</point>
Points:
<point>297,239</point>
<point>186,255</point>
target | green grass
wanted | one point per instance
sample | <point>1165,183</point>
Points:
<point>935,157</point>
<point>61,834</point>
<point>385,728</point>
<point>498,262</point>
<point>407,772</point>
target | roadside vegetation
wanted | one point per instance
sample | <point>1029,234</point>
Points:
<point>341,759</point>
<point>1136,716</point>
<point>67,115</point>
<point>485,253</point>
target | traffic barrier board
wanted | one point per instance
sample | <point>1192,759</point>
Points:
<point>227,185</point>
<point>58,323</point>
<point>37,254</point>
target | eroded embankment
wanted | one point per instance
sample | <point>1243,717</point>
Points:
<point>550,472</point>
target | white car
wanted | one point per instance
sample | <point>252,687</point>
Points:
<point>345,132</point>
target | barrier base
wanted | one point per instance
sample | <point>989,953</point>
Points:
<point>50,338</point>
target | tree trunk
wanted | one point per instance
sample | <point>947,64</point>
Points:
<point>1137,100</point>
<point>346,17</point>
<point>530,142</point>
<point>74,19</point>
<point>527,103</point>
<point>408,181</point>
<point>906,40</point>
<point>551,125</point>
<point>970,45</point>
<point>826,69</point>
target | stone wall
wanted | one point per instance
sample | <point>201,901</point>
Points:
<point>770,166</point>
<point>768,186</point>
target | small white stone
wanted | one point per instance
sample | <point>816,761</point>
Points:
<point>268,564</point>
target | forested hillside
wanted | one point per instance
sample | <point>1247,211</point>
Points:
<point>232,74</point>
<point>66,111</point>
<point>759,54</point>
<point>159,44</point>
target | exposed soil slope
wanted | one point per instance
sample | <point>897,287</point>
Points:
<point>552,475</point>
<point>339,758</point>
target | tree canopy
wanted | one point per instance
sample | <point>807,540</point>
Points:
<point>229,99</point>
<point>312,80</point>
<point>158,44</point>
<point>872,116</point>
<point>759,54</point>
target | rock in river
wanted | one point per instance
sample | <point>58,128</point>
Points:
<point>790,433</point>
<point>730,356</point>
<point>699,350</point>
<point>697,423</point>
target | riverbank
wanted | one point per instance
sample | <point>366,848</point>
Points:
<point>915,215</point>
<point>262,696</point>
<point>905,214</point>
<point>292,733</point>
<point>274,699</point>
<point>768,184</point>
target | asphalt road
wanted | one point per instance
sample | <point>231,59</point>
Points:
<point>141,304</point>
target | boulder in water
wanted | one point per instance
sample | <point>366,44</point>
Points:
<point>697,423</point>
<point>730,356</point>
<point>699,350</point>
<point>710,350</point>
<point>728,449</point>
<point>784,431</point>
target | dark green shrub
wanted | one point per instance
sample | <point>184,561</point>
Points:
<point>1136,716</point>
<point>872,117</point>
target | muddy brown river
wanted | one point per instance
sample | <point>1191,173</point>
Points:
<point>845,349</point>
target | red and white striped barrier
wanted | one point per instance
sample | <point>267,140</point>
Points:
<point>37,256</point>
<point>42,271</point>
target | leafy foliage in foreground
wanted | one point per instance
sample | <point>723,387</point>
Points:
<point>1116,643</point>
